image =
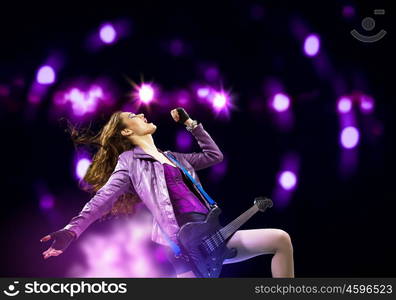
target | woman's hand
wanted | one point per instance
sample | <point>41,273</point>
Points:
<point>181,116</point>
<point>62,239</point>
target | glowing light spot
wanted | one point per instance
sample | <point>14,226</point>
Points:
<point>349,137</point>
<point>82,102</point>
<point>107,34</point>
<point>219,100</point>
<point>46,75</point>
<point>312,45</point>
<point>203,92</point>
<point>288,180</point>
<point>95,92</point>
<point>366,104</point>
<point>344,105</point>
<point>281,102</point>
<point>82,167</point>
<point>146,93</point>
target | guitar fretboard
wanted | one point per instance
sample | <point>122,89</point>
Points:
<point>233,226</point>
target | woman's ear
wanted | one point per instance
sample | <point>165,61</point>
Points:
<point>126,132</point>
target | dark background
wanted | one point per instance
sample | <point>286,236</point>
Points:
<point>340,227</point>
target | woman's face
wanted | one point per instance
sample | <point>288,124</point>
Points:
<point>137,124</point>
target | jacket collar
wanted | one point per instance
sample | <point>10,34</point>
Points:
<point>139,153</point>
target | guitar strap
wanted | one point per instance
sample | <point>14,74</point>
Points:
<point>176,249</point>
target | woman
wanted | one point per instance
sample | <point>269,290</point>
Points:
<point>129,168</point>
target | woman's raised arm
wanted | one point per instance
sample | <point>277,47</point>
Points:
<point>210,154</point>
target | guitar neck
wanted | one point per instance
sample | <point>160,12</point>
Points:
<point>233,226</point>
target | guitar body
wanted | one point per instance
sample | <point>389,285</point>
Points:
<point>203,243</point>
<point>206,259</point>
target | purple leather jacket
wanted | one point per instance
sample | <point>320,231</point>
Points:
<point>141,174</point>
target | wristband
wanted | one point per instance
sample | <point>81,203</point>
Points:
<point>192,126</point>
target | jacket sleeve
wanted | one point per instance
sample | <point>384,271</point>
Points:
<point>210,154</point>
<point>104,198</point>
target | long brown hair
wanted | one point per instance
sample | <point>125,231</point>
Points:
<point>111,144</point>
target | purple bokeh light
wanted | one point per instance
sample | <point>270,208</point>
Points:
<point>122,251</point>
<point>183,140</point>
<point>211,73</point>
<point>183,98</point>
<point>47,201</point>
<point>280,102</point>
<point>46,75</point>
<point>366,104</point>
<point>344,105</point>
<point>312,45</point>
<point>84,97</point>
<point>349,137</point>
<point>219,100</point>
<point>176,47</point>
<point>218,171</point>
<point>82,166</point>
<point>107,33</point>
<point>83,101</point>
<point>203,92</point>
<point>348,11</point>
<point>288,180</point>
<point>146,93</point>
<point>4,90</point>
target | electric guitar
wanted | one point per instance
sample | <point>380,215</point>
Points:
<point>203,243</point>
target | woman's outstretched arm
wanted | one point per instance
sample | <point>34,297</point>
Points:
<point>117,184</point>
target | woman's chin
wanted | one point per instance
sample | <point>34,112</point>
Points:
<point>153,127</point>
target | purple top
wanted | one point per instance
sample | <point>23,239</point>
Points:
<point>182,198</point>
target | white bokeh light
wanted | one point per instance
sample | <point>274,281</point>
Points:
<point>288,180</point>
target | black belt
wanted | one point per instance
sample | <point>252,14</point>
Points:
<point>190,217</point>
